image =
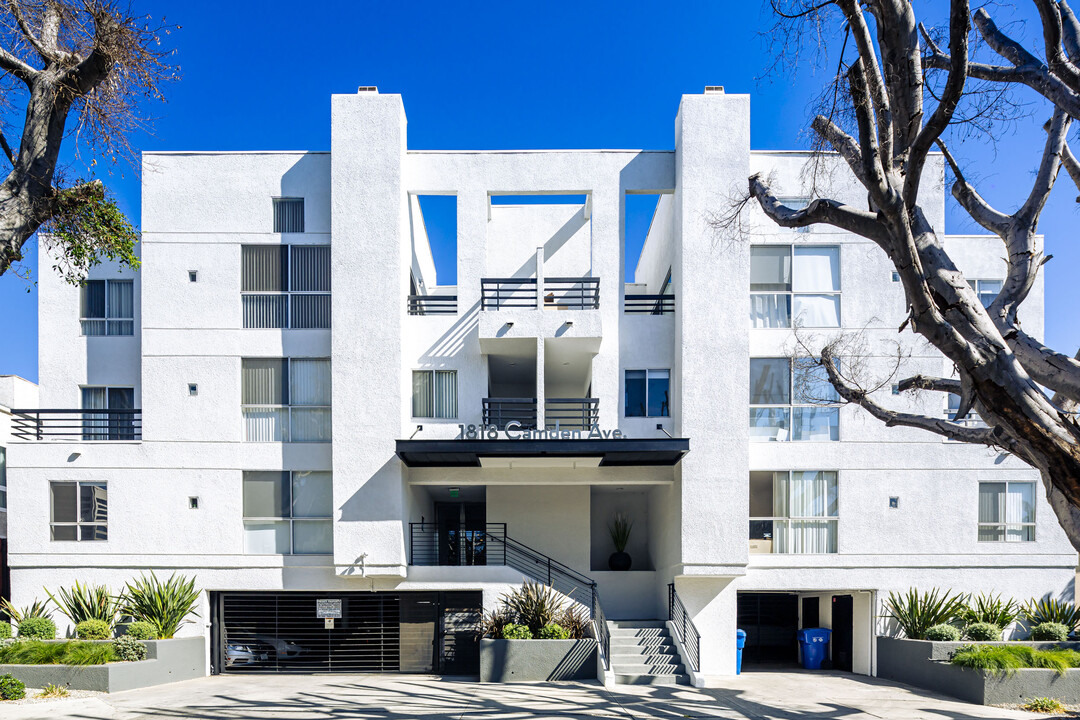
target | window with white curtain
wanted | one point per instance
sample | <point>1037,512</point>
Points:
<point>286,399</point>
<point>1006,512</point>
<point>107,307</point>
<point>786,405</point>
<point>434,394</point>
<point>794,283</point>
<point>80,511</point>
<point>115,419</point>
<point>794,511</point>
<point>288,513</point>
<point>285,286</point>
<point>288,215</point>
<point>987,290</point>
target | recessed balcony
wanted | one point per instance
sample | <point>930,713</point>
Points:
<point>559,293</point>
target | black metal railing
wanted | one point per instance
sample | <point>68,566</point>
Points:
<point>572,413</point>
<point>77,424</point>
<point>568,293</point>
<point>499,293</point>
<point>649,304</point>
<point>500,411</point>
<point>685,629</point>
<point>433,304</point>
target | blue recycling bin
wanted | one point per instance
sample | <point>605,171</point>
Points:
<point>813,643</point>
<point>740,643</point>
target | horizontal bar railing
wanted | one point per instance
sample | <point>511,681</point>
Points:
<point>649,304</point>
<point>572,413</point>
<point>500,411</point>
<point>499,293</point>
<point>80,424</point>
<point>433,304</point>
<point>458,545</point>
<point>685,630</point>
<point>571,293</point>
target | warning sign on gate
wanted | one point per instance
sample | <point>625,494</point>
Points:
<point>327,608</point>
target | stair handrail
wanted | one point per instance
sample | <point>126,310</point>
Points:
<point>685,630</point>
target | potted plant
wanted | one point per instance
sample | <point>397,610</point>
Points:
<point>620,528</point>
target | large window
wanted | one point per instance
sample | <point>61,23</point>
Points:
<point>107,307</point>
<point>288,215</point>
<point>286,399</point>
<point>794,512</point>
<point>3,478</point>
<point>1006,511</point>
<point>434,394</point>
<point>800,282</point>
<point>972,419</point>
<point>286,286</point>
<point>648,393</point>
<point>117,419</point>
<point>80,511</point>
<point>987,290</point>
<point>791,406</point>
<point>288,513</point>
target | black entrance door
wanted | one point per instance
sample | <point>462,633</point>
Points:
<point>460,638</point>
<point>461,532</point>
<point>842,630</point>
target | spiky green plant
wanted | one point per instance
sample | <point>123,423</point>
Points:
<point>619,528</point>
<point>36,609</point>
<point>86,602</point>
<point>989,609</point>
<point>72,652</point>
<point>534,605</point>
<point>1043,705</point>
<point>495,621</point>
<point>916,612</point>
<point>1008,659</point>
<point>1051,610</point>
<point>165,605</point>
<point>576,621</point>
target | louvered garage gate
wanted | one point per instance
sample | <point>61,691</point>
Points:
<point>260,632</point>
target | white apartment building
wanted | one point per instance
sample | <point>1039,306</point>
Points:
<point>15,392</point>
<point>290,404</point>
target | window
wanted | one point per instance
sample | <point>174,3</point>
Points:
<point>648,393</point>
<point>107,307</point>
<point>987,290</point>
<point>288,513</point>
<point>1006,512</point>
<point>286,399</point>
<point>3,478</point>
<point>794,282</point>
<point>434,394</point>
<point>116,424</point>
<point>972,419</point>
<point>794,512</point>
<point>783,407</point>
<point>288,215</point>
<point>80,511</point>
<point>285,286</point>
<point>797,203</point>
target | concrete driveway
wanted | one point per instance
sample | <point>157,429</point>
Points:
<point>788,696</point>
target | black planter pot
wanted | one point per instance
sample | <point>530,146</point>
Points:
<point>619,561</point>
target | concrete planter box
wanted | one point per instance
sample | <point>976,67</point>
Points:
<point>506,661</point>
<point>166,661</point>
<point>925,664</point>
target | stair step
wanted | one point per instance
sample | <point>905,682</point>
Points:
<point>648,669</point>
<point>645,659</point>
<point>641,641</point>
<point>637,679</point>
<point>637,623</point>
<point>643,651</point>
<point>638,632</point>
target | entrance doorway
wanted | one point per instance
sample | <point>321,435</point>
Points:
<point>843,627</point>
<point>461,532</point>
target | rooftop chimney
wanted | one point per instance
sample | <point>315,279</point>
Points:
<point>714,89</point>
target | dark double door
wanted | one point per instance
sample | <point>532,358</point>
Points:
<point>461,533</point>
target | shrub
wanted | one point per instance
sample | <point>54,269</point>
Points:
<point>17,615</point>
<point>1050,631</point>
<point>128,649</point>
<point>1043,705</point>
<point>1037,612</point>
<point>93,630</point>
<point>54,691</point>
<point>1008,659</point>
<point>85,602</point>
<point>983,631</point>
<point>576,622</point>
<point>11,688</point>
<point>551,631</point>
<point>989,609</point>
<point>493,624</point>
<point>37,628</point>
<point>943,632</point>
<point>5,630</point>
<point>513,631</point>
<point>534,605</point>
<point>73,652</point>
<point>165,605</point>
<point>142,630</point>
<point>917,612</point>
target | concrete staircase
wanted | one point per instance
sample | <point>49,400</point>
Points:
<point>644,653</point>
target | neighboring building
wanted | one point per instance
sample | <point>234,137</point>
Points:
<point>227,432</point>
<point>15,392</point>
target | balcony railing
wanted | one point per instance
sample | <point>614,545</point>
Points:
<point>560,293</point>
<point>572,413</point>
<point>649,304</point>
<point>433,304</point>
<point>77,424</point>
<point>500,411</point>
<point>803,535</point>
<point>499,293</point>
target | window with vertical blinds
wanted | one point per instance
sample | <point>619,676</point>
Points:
<point>1006,512</point>
<point>285,286</point>
<point>288,215</point>
<point>434,394</point>
<point>107,307</point>
<point>286,399</point>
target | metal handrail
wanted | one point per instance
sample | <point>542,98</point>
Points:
<point>500,411</point>
<point>472,546</point>
<point>432,305</point>
<point>580,293</point>
<point>685,630</point>
<point>84,424</point>
<point>649,304</point>
<point>572,413</point>
<point>498,293</point>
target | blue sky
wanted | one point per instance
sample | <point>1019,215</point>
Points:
<point>258,76</point>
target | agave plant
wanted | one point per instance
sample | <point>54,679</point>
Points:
<point>534,605</point>
<point>86,602</point>
<point>37,609</point>
<point>166,605</point>
<point>495,621</point>
<point>1051,610</point>
<point>989,609</point>
<point>576,621</point>
<point>916,612</point>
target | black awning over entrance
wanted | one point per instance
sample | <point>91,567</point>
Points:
<point>612,452</point>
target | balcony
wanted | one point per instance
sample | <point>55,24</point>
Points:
<point>76,424</point>
<point>649,304</point>
<point>805,535</point>
<point>500,411</point>
<point>559,293</point>
<point>432,304</point>
<point>456,545</point>
<point>572,413</point>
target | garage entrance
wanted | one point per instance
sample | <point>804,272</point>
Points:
<point>354,632</point>
<point>771,622</point>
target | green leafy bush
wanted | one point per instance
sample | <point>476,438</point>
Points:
<point>983,632</point>
<point>72,652</point>
<point>165,605</point>
<point>989,609</point>
<point>37,628</point>
<point>1043,705</point>
<point>943,632</point>
<point>1010,658</point>
<point>916,612</point>
<point>93,630</point>
<point>1050,631</point>
<point>142,630</point>
<point>513,631</point>
<point>6,630</point>
<point>1037,612</point>
<point>85,602</point>
<point>552,631</point>
<point>128,649</point>
<point>11,688</point>
<point>534,605</point>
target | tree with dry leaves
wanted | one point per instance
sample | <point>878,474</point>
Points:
<point>897,96</point>
<point>79,71</point>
